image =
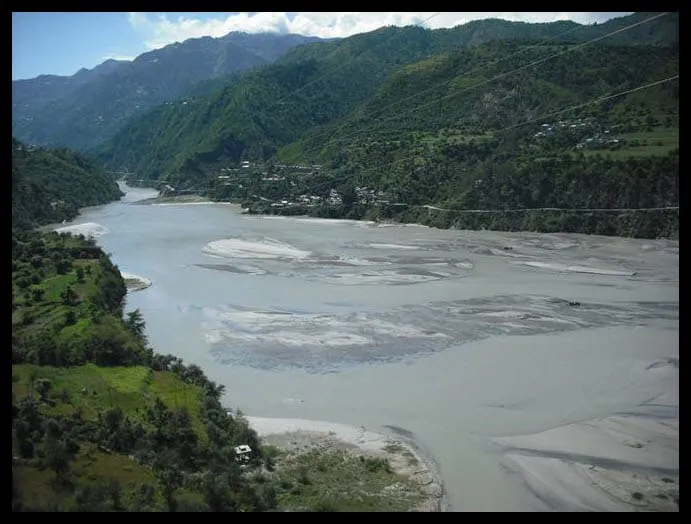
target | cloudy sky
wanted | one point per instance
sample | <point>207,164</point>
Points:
<point>62,43</point>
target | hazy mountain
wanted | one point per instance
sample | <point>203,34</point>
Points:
<point>88,107</point>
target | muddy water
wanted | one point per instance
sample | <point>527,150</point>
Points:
<point>452,336</point>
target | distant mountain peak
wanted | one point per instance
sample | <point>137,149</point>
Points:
<point>62,109</point>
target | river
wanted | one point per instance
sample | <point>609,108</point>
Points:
<point>452,336</point>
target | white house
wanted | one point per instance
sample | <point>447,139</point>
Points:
<point>243,453</point>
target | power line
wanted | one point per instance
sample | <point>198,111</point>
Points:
<point>541,117</point>
<point>320,78</point>
<point>467,73</point>
<point>502,75</point>
<point>575,210</point>
<point>598,100</point>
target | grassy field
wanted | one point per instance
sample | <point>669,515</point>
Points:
<point>92,467</point>
<point>452,136</point>
<point>50,307</point>
<point>659,141</point>
<point>92,389</point>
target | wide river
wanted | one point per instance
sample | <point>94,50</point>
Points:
<point>452,336</point>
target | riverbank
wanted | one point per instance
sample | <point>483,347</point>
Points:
<point>179,199</point>
<point>653,223</point>
<point>135,282</point>
<point>299,437</point>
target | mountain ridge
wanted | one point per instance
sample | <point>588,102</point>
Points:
<point>85,108</point>
<point>270,108</point>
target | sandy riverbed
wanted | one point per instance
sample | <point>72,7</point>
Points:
<point>405,459</point>
<point>624,462</point>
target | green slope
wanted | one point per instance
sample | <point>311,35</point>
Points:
<point>311,86</point>
<point>51,185</point>
<point>99,422</point>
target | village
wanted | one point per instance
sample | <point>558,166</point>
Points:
<point>284,179</point>
<point>598,140</point>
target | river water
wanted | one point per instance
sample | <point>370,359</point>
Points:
<point>450,336</point>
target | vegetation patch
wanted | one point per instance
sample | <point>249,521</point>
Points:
<point>339,480</point>
<point>99,421</point>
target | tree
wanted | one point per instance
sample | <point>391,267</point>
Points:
<point>37,294</point>
<point>70,317</point>
<point>22,432</point>
<point>69,297</point>
<point>216,492</point>
<point>114,490</point>
<point>91,497</point>
<point>63,266</point>
<point>170,479</point>
<point>80,275</point>
<point>57,457</point>
<point>43,387</point>
<point>348,195</point>
<point>135,323</point>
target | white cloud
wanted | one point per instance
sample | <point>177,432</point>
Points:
<point>158,30</point>
<point>119,57</point>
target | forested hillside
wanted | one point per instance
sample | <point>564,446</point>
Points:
<point>315,85</point>
<point>487,116</point>
<point>269,107</point>
<point>100,422</point>
<point>433,130</point>
<point>50,185</point>
<point>88,107</point>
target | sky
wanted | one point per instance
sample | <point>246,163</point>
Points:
<point>61,43</point>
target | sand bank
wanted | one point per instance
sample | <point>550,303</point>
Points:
<point>392,246</point>
<point>385,277</point>
<point>196,203</point>
<point>404,458</point>
<point>135,282</point>
<point>264,248</point>
<point>579,269</point>
<point>88,229</point>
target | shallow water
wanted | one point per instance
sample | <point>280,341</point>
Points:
<point>453,336</point>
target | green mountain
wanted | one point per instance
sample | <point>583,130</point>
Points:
<point>50,185</point>
<point>321,84</point>
<point>454,119</point>
<point>428,113</point>
<point>88,107</point>
<point>40,91</point>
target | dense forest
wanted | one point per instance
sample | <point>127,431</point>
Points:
<point>99,421</point>
<point>491,115</point>
<point>50,185</point>
<point>505,120</point>
<point>319,84</point>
